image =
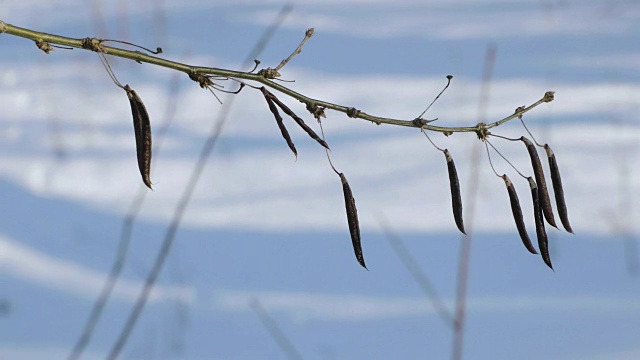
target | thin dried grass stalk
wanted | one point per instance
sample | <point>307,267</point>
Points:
<point>298,120</point>
<point>276,114</point>
<point>352,218</point>
<point>454,184</point>
<point>557,189</point>
<point>543,240</point>
<point>517,214</point>
<point>142,129</point>
<point>545,202</point>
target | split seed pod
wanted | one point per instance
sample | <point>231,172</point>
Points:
<point>545,202</point>
<point>298,120</point>
<point>517,214</point>
<point>142,129</point>
<point>352,219</point>
<point>557,189</point>
<point>454,184</point>
<point>543,241</point>
<point>276,114</point>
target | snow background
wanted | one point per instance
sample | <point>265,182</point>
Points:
<point>264,225</point>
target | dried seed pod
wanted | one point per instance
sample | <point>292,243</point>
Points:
<point>517,215</point>
<point>142,129</point>
<point>557,189</point>
<point>298,120</point>
<point>454,184</point>
<point>276,114</point>
<point>545,202</point>
<point>352,219</point>
<point>543,241</point>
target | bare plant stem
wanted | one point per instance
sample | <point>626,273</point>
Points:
<point>274,330</point>
<point>419,276</point>
<point>297,51</point>
<point>465,247</point>
<point>260,77</point>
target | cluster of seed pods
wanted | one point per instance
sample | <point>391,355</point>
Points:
<point>542,208</point>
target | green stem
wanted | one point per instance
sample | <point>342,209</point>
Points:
<point>239,75</point>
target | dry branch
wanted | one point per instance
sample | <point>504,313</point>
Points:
<point>311,103</point>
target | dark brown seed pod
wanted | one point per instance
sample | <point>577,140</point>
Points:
<point>557,189</point>
<point>543,241</point>
<point>352,219</point>
<point>142,129</point>
<point>298,120</point>
<point>517,215</point>
<point>545,202</point>
<point>276,114</point>
<point>454,184</point>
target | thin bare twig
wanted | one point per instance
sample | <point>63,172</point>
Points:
<point>274,330</point>
<point>449,77</point>
<point>268,34</point>
<point>465,248</point>
<point>307,35</point>
<point>418,275</point>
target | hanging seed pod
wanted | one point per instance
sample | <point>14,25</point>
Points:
<point>142,129</point>
<point>517,214</point>
<point>545,202</point>
<point>298,120</point>
<point>557,189</point>
<point>276,114</point>
<point>352,219</point>
<point>543,241</point>
<point>454,184</point>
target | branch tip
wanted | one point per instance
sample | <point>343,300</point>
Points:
<point>308,34</point>
<point>449,77</point>
<point>549,96</point>
<point>3,27</point>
